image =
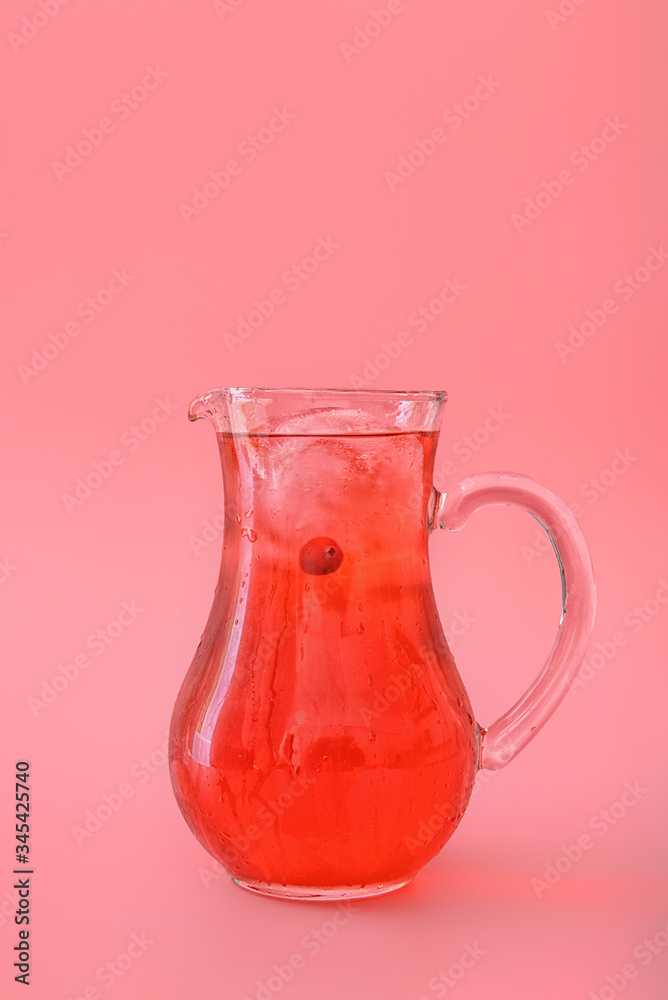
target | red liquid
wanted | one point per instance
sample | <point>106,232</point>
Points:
<point>322,737</point>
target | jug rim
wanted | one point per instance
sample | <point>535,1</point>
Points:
<point>257,411</point>
<point>434,395</point>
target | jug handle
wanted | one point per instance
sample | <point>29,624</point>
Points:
<point>510,733</point>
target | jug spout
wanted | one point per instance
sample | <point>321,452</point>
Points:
<point>232,411</point>
<point>207,404</point>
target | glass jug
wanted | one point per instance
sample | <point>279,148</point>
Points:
<point>323,726</point>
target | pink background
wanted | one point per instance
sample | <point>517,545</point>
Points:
<point>218,73</point>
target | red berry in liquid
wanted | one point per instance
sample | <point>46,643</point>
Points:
<point>320,556</point>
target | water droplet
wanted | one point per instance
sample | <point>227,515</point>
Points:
<point>249,513</point>
<point>249,534</point>
<point>372,736</point>
<point>237,518</point>
<point>360,628</point>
